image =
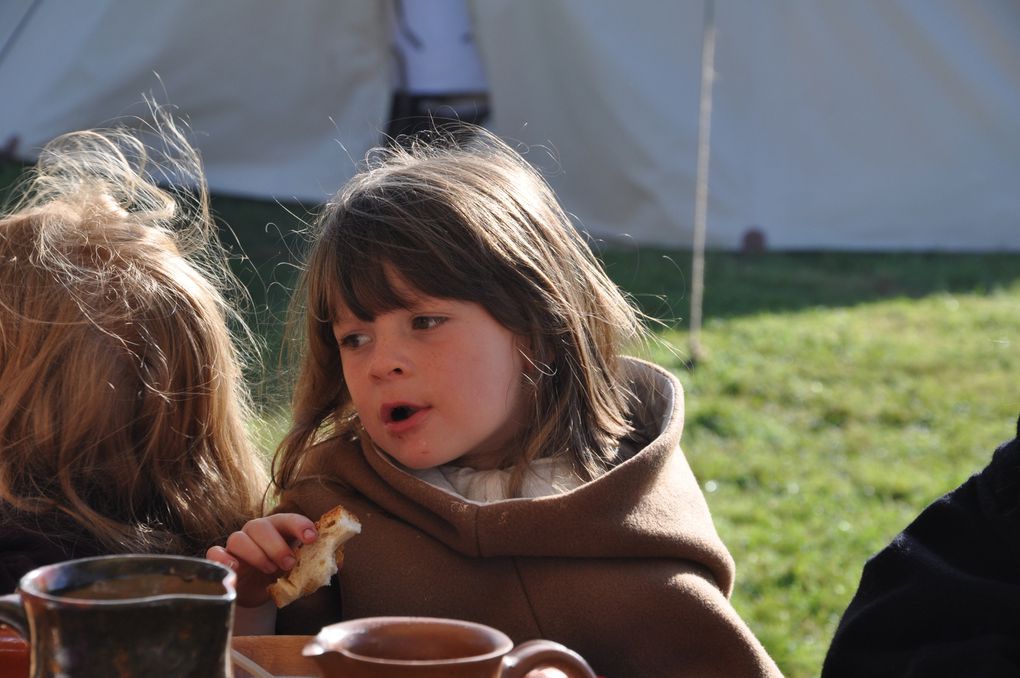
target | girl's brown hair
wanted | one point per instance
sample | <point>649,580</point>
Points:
<point>464,216</point>
<point>123,411</point>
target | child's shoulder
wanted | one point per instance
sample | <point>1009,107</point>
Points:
<point>657,398</point>
<point>999,482</point>
<point>648,379</point>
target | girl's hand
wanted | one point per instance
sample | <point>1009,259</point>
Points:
<point>262,551</point>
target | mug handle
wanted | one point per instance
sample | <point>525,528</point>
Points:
<point>13,614</point>
<point>544,654</point>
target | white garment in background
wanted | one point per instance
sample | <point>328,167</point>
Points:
<point>436,50</point>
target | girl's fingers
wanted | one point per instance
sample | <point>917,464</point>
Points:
<point>255,545</point>
<point>220,555</point>
<point>251,581</point>
<point>261,551</point>
<point>265,543</point>
<point>296,528</point>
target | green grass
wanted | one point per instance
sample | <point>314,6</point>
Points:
<point>840,394</point>
<point>818,434</point>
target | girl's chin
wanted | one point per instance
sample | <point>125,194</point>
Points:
<point>417,463</point>
<point>417,460</point>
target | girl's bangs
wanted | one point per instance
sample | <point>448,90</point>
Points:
<point>371,263</point>
<point>364,287</point>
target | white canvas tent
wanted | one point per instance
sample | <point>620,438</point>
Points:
<point>863,125</point>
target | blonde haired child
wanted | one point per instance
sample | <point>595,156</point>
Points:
<point>123,411</point>
<point>463,393</point>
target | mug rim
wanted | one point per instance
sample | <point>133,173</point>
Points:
<point>319,645</point>
<point>27,583</point>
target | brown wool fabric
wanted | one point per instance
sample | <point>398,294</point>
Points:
<point>627,569</point>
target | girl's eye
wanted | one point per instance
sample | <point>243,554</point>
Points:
<point>353,340</point>
<point>427,322</point>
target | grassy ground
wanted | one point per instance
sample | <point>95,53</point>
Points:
<point>818,434</point>
<point>841,393</point>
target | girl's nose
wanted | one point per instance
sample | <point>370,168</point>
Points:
<point>388,363</point>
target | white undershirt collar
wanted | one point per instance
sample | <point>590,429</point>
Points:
<point>545,477</point>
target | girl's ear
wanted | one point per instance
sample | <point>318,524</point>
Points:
<point>537,359</point>
<point>522,345</point>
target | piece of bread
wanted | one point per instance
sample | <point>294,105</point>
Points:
<point>318,561</point>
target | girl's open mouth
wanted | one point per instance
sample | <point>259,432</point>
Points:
<point>401,416</point>
<point>401,412</point>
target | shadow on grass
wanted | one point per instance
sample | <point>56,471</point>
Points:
<point>744,284</point>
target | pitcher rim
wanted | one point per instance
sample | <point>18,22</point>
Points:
<point>229,581</point>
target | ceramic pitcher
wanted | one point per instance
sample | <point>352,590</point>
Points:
<point>130,616</point>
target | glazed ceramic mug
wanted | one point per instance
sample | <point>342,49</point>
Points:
<point>127,615</point>
<point>427,647</point>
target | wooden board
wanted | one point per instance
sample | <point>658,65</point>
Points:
<point>279,655</point>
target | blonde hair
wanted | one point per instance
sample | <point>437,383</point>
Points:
<point>466,217</point>
<point>123,411</point>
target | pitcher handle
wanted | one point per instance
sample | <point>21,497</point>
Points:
<point>544,654</point>
<point>13,614</point>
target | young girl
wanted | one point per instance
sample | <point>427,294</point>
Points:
<point>122,413</point>
<point>462,393</point>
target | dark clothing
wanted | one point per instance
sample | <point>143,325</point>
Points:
<point>25,545</point>
<point>944,598</point>
<point>412,114</point>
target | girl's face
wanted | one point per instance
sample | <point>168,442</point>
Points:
<point>438,382</point>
